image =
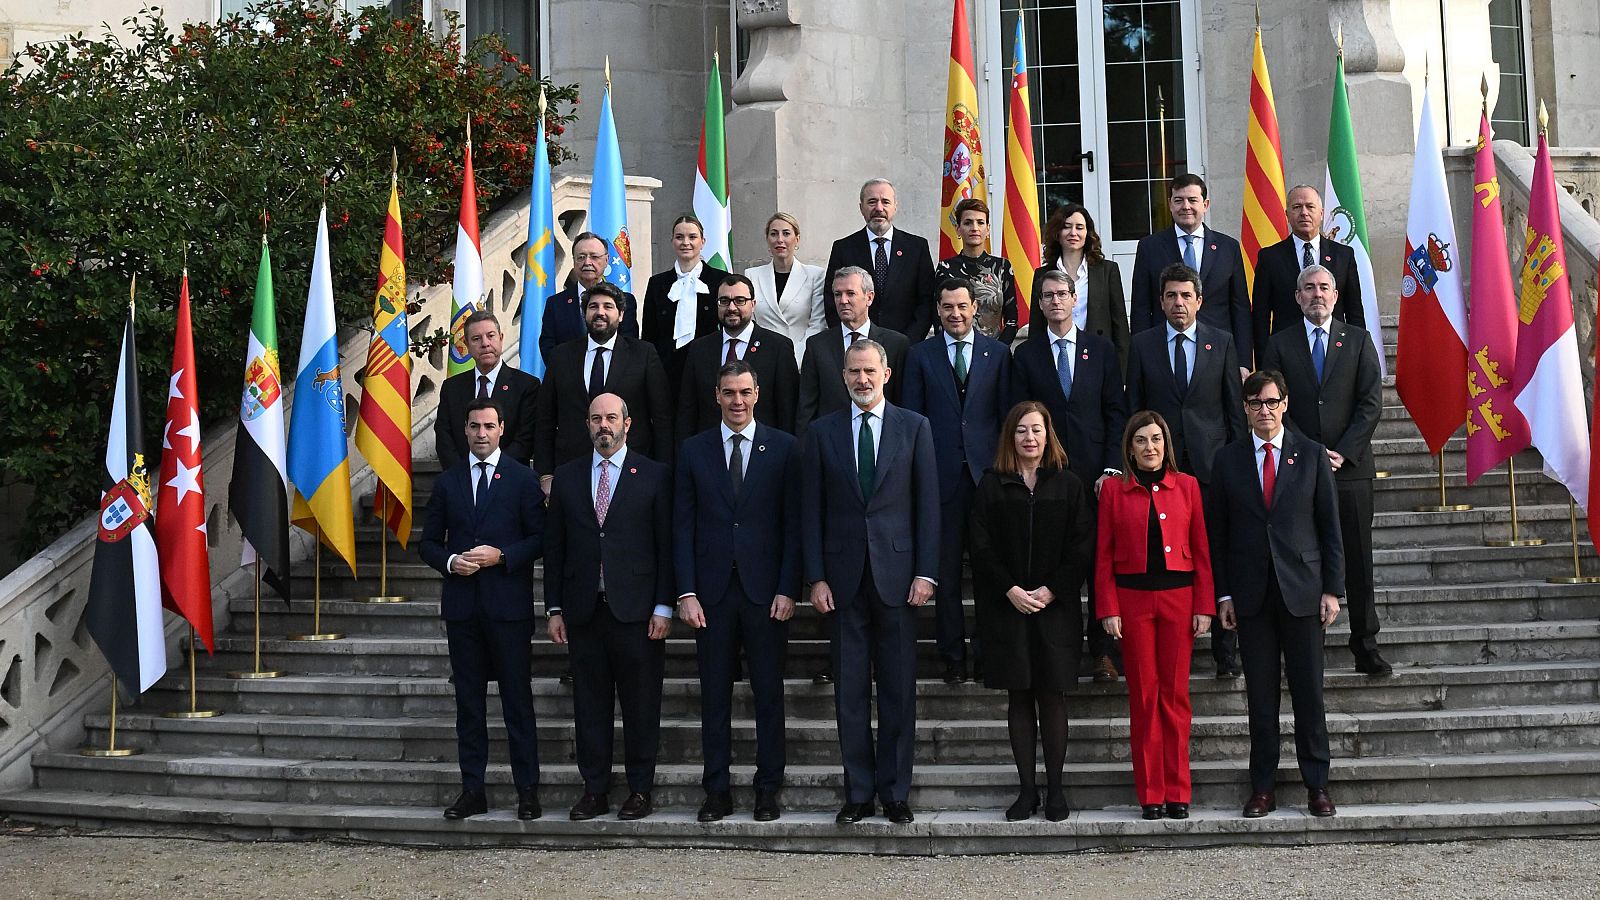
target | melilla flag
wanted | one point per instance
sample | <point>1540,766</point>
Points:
<point>258,494</point>
<point>1020,237</point>
<point>319,462</point>
<point>1549,385</point>
<point>383,423</point>
<point>181,497</point>
<point>1266,220</point>
<point>962,177</point>
<point>1344,213</point>
<point>1495,429</point>
<point>539,266</point>
<point>711,177</point>
<point>123,610</point>
<point>608,197</point>
<point>1430,366</point>
<point>466,288</point>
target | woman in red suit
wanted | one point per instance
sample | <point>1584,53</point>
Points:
<point>1154,572</point>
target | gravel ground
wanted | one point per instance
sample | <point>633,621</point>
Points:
<point>124,866</point>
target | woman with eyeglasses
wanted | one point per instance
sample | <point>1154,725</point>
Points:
<point>1072,246</point>
<point>1154,591</point>
<point>680,303</point>
<point>788,291</point>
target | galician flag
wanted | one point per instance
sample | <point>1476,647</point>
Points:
<point>608,196</point>
<point>1020,236</point>
<point>711,177</point>
<point>181,497</point>
<point>1265,218</point>
<point>962,176</point>
<point>258,495</point>
<point>539,267</point>
<point>383,423</point>
<point>466,289</point>
<point>1344,216</point>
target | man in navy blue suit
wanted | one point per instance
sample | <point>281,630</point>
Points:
<point>870,533</point>
<point>961,381</point>
<point>737,554</point>
<point>484,529</point>
<point>563,311</point>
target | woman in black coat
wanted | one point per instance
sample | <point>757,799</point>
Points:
<point>1031,535</point>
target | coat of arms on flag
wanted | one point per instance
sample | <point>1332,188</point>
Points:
<point>261,387</point>
<point>127,504</point>
<point>1424,265</point>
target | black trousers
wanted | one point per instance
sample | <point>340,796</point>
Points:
<point>480,650</point>
<point>1100,643</point>
<point>616,662</point>
<point>1274,643</point>
<point>1224,643</point>
<point>950,617</point>
<point>872,639</point>
<point>1355,526</point>
<point>733,623</point>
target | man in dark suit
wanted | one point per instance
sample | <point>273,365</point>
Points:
<point>513,389</point>
<point>484,529</point>
<point>901,266</point>
<point>870,532</point>
<point>822,391</point>
<point>1278,563</point>
<point>962,385</point>
<point>739,338</point>
<point>1331,369</point>
<point>1187,371</point>
<point>563,311</point>
<point>608,590</point>
<point>1275,305</point>
<point>604,362</point>
<point>1215,255</point>
<point>736,544</point>
<point>1077,377</point>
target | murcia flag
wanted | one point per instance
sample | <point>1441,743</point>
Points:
<point>181,497</point>
<point>123,611</point>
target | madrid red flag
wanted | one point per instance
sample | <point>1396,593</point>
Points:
<point>181,500</point>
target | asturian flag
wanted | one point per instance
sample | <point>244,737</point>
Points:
<point>711,177</point>
<point>383,423</point>
<point>608,197</point>
<point>258,494</point>
<point>181,498</point>
<point>319,461</point>
<point>1020,236</point>
<point>466,288</point>
<point>539,267</point>
<point>123,610</point>
<point>961,176</point>
<point>1344,215</point>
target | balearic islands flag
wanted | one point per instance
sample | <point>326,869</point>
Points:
<point>181,497</point>
<point>1266,219</point>
<point>383,424</point>
<point>608,198</point>
<point>1344,215</point>
<point>962,177</point>
<point>1020,236</point>
<point>466,288</point>
<point>123,610</point>
<point>258,494</point>
<point>711,177</point>
<point>539,266</point>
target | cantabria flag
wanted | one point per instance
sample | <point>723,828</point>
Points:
<point>711,177</point>
<point>1344,214</point>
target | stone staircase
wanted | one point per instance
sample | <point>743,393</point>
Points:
<point>1489,727</point>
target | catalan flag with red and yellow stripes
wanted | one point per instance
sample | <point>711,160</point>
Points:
<point>1265,221</point>
<point>383,429</point>
<point>962,175</point>
<point>1020,239</point>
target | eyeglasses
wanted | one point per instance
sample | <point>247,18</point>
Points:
<point>735,301</point>
<point>1270,403</point>
<point>1056,295</point>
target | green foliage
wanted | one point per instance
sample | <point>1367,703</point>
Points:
<point>119,159</point>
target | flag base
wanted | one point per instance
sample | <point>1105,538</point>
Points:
<point>390,598</point>
<point>1573,579</point>
<point>1381,473</point>
<point>1448,507</point>
<point>323,636</point>
<point>193,714</point>
<point>1516,542</point>
<point>271,673</point>
<point>109,752</point>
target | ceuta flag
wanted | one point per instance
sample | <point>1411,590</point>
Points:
<point>1265,218</point>
<point>1020,236</point>
<point>181,499</point>
<point>963,176</point>
<point>466,288</point>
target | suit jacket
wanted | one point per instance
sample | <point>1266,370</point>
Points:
<point>769,353</point>
<point>965,420</point>
<point>822,389</point>
<point>659,312</point>
<point>563,319</point>
<point>1122,538</point>
<point>1225,298</point>
<point>1341,411</point>
<point>634,374</point>
<point>1273,307</point>
<point>905,303</point>
<point>1090,423</point>
<point>634,546</point>
<point>796,314</point>
<point>1301,532</point>
<point>897,528</point>
<point>1210,415</point>
<point>517,393</point>
<point>511,519</point>
<point>1107,314</point>
<point>753,536</point>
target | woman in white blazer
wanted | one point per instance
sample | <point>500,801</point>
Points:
<point>788,292</point>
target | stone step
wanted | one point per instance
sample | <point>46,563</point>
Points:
<point>1405,492</point>
<point>1546,521</point>
<point>1410,454</point>
<point>1475,564</point>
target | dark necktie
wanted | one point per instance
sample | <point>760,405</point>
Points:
<point>1269,475</point>
<point>866,460</point>
<point>961,363</point>
<point>1180,365</point>
<point>854,336</point>
<point>733,351</point>
<point>1064,366</point>
<point>736,465</point>
<point>1305,255</point>
<point>1188,252</point>
<point>597,374</point>
<point>880,264</point>
<point>1319,351</point>
<point>481,493</point>
<point>483,387</point>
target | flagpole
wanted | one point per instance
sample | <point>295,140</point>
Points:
<point>316,633</point>
<point>258,672</point>
<point>111,749</point>
<point>1577,576</point>
<point>1516,539</point>
<point>194,711</point>
<point>383,595</point>
<point>1443,505</point>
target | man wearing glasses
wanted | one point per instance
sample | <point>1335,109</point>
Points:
<point>769,353</point>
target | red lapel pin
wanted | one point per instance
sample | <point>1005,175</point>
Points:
<point>1208,346</point>
<point>1338,343</point>
<point>1327,259</point>
<point>1213,246</point>
<point>1291,460</point>
<point>505,387</point>
<point>632,471</point>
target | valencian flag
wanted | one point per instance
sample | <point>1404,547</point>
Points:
<point>466,288</point>
<point>1344,215</point>
<point>123,611</point>
<point>711,177</point>
<point>181,498</point>
<point>1430,365</point>
<point>383,423</point>
<point>1549,385</point>
<point>1265,220</point>
<point>1020,237</point>
<point>258,494</point>
<point>608,196</point>
<point>962,177</point>
<point>539,267</point>
<point>319,462</point>
<point>1495,429</point>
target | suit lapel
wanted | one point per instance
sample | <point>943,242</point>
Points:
<point>844,444</point>
<point>1337,336</point>
<point>1206,247</point>
<point>1203,355</point>
<point>891,443</point>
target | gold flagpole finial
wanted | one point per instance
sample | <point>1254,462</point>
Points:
<point>1258,16</point>
<point>541,106</point>
<point>608,71</point>
<point>1544,118</point>
<point>1483,93</point>
<point>133,284</point>
<point>469,130</point>
<point>394,164</point>
<point>1338,39</point>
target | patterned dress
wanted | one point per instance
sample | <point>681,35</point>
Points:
<point>996,292</point>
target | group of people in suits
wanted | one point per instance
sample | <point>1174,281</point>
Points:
<point>718,470</point>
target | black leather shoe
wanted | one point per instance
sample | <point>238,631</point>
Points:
<point>767,808</point>
<point>1229,671</point>
<point>566,678</point>
<point>1374,664</point>
<point>1026,805</point>
<point>852,813</point>
<point>1177,810</point>
<point>898,812</point>
<point>528,807</point>
<point>822,678</point>
<point>954,672</point>
<point>470,803</point>
<point>1259,804</point>
<point>637,806</point>
<point>1150,811</point>
<point>1318,803</point>
<point>589,806</point>
<point>1055,806</point>
<point>716,807</point>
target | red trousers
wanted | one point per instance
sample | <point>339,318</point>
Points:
<point>1157,640</point>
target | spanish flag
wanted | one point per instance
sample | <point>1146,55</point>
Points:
<point>1020,238</point>
<point>1265,220</point>
<point>963,177</point>
<point>383,425</point>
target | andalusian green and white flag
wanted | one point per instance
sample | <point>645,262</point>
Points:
<point>711,179</point>
<point>1344,214</point>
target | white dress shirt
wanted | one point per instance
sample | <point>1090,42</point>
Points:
<point>875,424</point>
<point>865,332</point>
<point>1300,250</point>
<point>1080,282</point>
<point>493,461</point>
<point>1188,348</point>
<point>872,247</point>
<point>619,463</point>
<point>493,375</point>
<point>1199,244</point>
<point>1311,338</point>
<point>748,433</point>
<point>1277,455</point>
<point>742,337</point>
<point>605,363</point>
<point>950,342</point>
<point>1071,337</point>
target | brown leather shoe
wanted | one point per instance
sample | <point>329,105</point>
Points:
<point>589,806</point>
<point>637,806</point>
<point>1260,803</point>
<point>1318,803</point>
<point>1105,670</point>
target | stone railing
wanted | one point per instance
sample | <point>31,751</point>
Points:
<point>51,673</point>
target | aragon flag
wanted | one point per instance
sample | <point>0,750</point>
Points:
<point>258,493</point>
<point>181,496</point>
<point>123,610</point>
<point>383,423</point>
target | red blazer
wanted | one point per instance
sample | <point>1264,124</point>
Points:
<point>1123,538</point>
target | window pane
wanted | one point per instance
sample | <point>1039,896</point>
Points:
<point>1125,93</point>
<point>1127,151</point>
<point>1163,32</point>
<point>1052,196</point>
<point>1057,36</point>
<point>1125,33</point>
<point>1505,12</point>
<point>512,20</point>
<point>1059,153</point>
<point>1130,210</point>
<point>1505,45</point>
<point>1057,87</point>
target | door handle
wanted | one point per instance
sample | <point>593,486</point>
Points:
<point>1088,158</point>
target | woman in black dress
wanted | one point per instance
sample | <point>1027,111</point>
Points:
<point>1031,536</point>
